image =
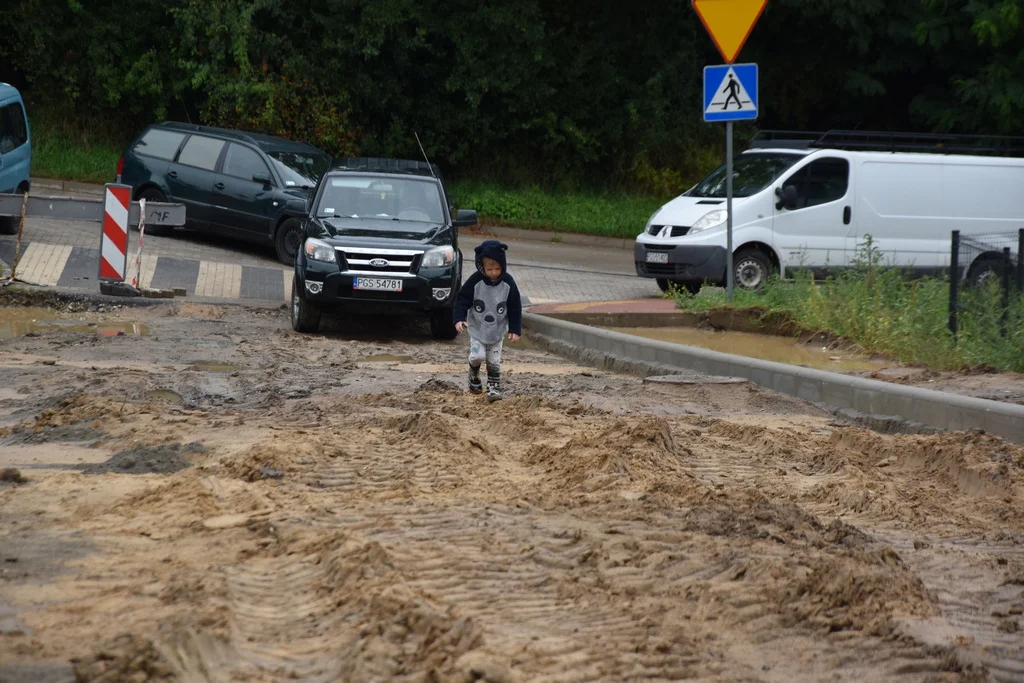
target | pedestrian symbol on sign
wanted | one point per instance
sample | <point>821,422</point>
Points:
<point>732,91</point>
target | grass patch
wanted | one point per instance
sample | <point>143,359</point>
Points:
<point>58,156</point>
<point>606,214</point>
<point>881,310</point>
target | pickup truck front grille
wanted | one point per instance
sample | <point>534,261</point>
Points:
<point>380,262</point>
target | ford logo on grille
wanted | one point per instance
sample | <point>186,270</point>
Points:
<point>380,263</point>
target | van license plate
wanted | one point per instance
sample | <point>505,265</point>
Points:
<point>377,284</point>
<point>657,257</point>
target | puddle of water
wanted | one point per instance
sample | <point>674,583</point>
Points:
<point>165,395</point>
<point>384,358</point>
<point>763,346</point>
<point>17,322</point>
<point>214,366</point>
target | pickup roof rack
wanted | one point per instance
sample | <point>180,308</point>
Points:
<point>872,141</point>
<point>379,165</point>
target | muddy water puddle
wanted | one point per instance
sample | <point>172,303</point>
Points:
<point>763,346</point>
<point>165,395</point>
<point>18,322</point>
<point>214,366</point>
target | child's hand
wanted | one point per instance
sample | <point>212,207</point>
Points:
<point>513,337</point>
<point>460,327</point>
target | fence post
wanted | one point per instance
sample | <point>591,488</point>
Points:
<point>1006,290</point>
<point>954,282</point>
<point>1020,261</point>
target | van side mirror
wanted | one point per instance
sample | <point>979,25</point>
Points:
<point>465,218</point>
<point>787,197</point>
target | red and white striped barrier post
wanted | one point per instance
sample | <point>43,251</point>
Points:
<point>136,279</point>
<point>117,202</point>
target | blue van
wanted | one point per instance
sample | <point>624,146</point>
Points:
<point>15,150</point>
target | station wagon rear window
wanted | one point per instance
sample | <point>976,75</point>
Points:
<point>201,152</point>
<point>161,144</point>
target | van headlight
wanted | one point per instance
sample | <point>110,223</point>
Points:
<point>650,221</point>
<point>711,219</point>
<point>438,258</point>
<point>318,250</point>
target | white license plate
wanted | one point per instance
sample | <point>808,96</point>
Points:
<point>377,284</point>
<point>657,257</point>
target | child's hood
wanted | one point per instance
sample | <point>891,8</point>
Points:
<point>491,249</point>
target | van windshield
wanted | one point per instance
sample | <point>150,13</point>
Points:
<point>751,173</point>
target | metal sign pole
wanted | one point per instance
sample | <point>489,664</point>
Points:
<point>729,277</point>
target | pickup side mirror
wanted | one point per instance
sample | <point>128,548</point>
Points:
<point>787,197</point>
<point>261,178</point>
<point>465,218</point>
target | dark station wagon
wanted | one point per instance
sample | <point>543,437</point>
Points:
<point>251,186</point>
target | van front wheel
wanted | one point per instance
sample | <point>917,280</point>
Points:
<point>751,269</point>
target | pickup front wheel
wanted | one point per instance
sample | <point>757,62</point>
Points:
<point>305,314</point>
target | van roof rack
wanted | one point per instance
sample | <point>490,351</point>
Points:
<point>874,141</point>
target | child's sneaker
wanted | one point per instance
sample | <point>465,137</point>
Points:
<point>475,385</point>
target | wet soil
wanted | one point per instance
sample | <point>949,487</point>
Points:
<point>304,514</point>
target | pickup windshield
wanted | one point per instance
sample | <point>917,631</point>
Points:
<point>751,173</point>
<point>403,199</point>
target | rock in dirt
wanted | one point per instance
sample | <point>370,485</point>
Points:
<point>161,459</point>
<point>438,386</point>
<point>126,658</point>
<point>12,476</point>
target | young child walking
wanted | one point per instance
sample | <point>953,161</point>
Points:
<point>487,305</point>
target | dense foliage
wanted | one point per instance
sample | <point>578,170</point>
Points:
<point>526,91</point>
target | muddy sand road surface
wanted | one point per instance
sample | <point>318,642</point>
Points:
<point>209,496</point>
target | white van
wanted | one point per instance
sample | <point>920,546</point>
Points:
<point>810,203</point>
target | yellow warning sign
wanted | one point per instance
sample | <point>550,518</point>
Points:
<point>729,22</point>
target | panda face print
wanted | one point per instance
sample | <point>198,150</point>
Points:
<point>489,315</point>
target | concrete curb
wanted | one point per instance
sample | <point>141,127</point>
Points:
<point>66,186</point>
<point>636,355</point>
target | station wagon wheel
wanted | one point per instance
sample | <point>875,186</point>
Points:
<point>152,194</point>
<point>751,269</point>
<point>288,241</point>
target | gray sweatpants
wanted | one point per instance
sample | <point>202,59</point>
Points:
<point>489,353</point>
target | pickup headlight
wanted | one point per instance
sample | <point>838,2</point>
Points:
<point>318,250</point>
<point>712,219</point>
<point>438,258</point>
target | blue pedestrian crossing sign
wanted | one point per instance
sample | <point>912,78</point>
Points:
<point>730,92</point>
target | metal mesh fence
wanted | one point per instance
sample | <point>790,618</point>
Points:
<point>986,292</point>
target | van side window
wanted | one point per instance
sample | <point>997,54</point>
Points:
<point>820,182</point>
<point>13,133</point>
<point>201,152</point>
<point>161,144</point>
<point>242,162</point>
